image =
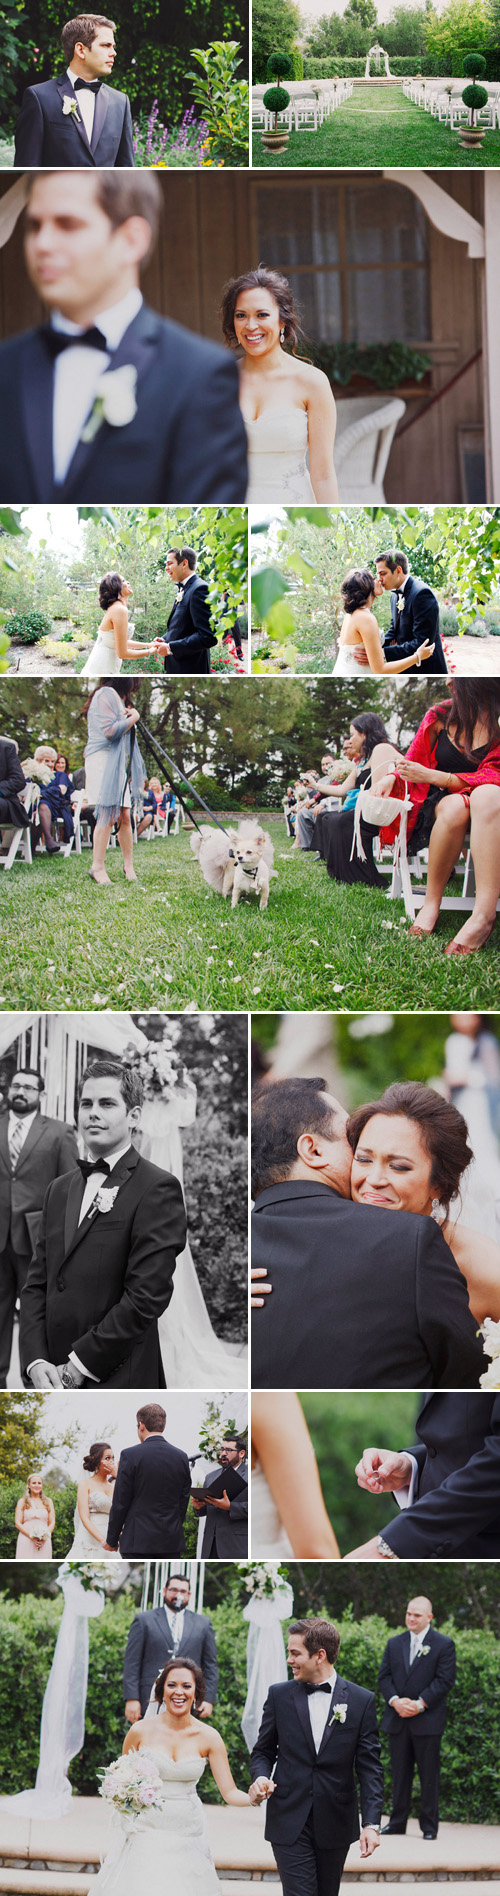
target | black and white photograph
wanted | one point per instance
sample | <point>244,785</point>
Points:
<point>122,1258</point>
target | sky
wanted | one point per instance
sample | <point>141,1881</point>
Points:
<point>315,9</point>
<point>58,525</point>
<point>111,1417</point>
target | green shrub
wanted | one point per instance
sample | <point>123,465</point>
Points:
<point>297,63</point>
<point>474,66</point>
<point>387,364</point>
<point>276,99</point>
<point>27,627</point>
<point>474,97</point>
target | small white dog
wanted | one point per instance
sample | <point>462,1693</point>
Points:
<point>240,861</point>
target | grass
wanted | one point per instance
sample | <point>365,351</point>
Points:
<point>170,941</point>
<point>379,127</point>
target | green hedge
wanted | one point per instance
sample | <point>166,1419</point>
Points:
<point>470,1782</point>
<point>297,63</point>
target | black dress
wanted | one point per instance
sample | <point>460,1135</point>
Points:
<point>333,835</point>
<point>447,756</point>
<point>58,803</point>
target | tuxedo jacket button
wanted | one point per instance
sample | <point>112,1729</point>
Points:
<point>432,1452</point>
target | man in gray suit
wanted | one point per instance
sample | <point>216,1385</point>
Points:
<point>33,1151</point>
<point>226,1532</point>
<point>167,1632</point>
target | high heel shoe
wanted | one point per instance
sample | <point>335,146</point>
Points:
<point>420,934</point>
<point>461,948</point>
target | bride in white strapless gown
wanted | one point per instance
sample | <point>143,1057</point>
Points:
<point>167,1849</point>
<point>113,642</point>
<point>287,404</point>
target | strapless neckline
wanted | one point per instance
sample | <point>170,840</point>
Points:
<point>277,456</point>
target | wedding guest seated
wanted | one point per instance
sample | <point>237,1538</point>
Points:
<point>452,769</point>
<point>323,787</point>
<point>55,805</point>
<point>150,807</point>
<point>334,830</point>
<point>12,780</point>
<point>289,802</point>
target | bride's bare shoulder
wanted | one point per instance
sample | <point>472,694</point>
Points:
<point>314,379</point>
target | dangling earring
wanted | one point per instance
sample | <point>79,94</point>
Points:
<point>282,335</point>
<point>436,1210</point>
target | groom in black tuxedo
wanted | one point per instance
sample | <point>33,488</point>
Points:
<point>77,119</point>
<point>190,632</point>
<point>414,613</point>
<point>108,399</point>
<point>315,1734</point>
<point>102,1273</point>
<point>417,1672</point>
<point>151,1494</point>
<point>447,1487</point>
<point>362,1298</point>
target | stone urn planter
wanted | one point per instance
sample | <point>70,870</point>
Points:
<point>275,141</point>
<point>471,136</point>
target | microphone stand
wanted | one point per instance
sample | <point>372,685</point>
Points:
<point>168,765</point>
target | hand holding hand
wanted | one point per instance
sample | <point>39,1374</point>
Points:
<point>382,1472</point>
<point>369,1840</point>
<point>425,651</point>
<point>45,1376</point>
<point>262,1789</point>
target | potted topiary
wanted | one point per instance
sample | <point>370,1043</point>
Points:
<point>474,97</point>
<point>276,99</point>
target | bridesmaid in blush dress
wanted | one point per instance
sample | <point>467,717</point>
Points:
<point>35,1522</point>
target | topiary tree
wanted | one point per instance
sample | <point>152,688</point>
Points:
<point>276,100</point>
<point>474,97</point>
<point>279,66</point>
<point>473,66</point>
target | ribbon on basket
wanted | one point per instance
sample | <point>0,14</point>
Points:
<point>379,811</point>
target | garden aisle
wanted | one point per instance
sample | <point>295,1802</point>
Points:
<point>379,126</point>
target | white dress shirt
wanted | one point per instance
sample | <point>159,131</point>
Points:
<point>320,1708</point>
<point>405,1496</point>
<point>85,101</point>
<point>77,372</point>
<point>91,1188</point>
<point>21,1122</point>
<point>176,1623</point>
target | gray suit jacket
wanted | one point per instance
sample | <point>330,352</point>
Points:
<point>150,1644</point>
<point>226,1535</point>
<point>49,1151</point>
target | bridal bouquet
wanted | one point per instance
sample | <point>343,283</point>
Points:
<point>132,1785</point>
<point>36,1531</point>
<point>262,1578</point>
<point>490,1333</point>
<point>91,1574</point>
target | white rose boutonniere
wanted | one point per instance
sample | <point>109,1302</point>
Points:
<point>105,1198</point>
<point>401,602</point>
<point>339,1715</point>
<point>70,108</point>
<point>423,1651</point>
<point>114,401</point>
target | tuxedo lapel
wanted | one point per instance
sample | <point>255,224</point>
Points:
<point>66,91</point>
<point>37,399</point>
<point>339,1697</point>
<point>138,347</point>
<point>100,114</point>
<point>76,1231</point>
<point>301,1702</point>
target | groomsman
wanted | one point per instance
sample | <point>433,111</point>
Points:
<point>417,1672</point>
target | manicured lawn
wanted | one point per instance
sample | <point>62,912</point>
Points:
<point>170,941</point>
<point>379,126</point>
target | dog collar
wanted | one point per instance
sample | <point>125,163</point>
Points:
<point>249,872</point>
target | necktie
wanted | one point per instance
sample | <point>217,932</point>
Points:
<point>87,85</point>
<point>16,1140</point>
<point>317,1688</point>
<point>89,1166</point>
<point>55,340</point>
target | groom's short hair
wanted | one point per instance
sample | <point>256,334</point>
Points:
<point>153,1417</point>
<point>120,194</point>
<point>392,560</point>
<point>185,553</point>
<point>130,1080</point>
<point>318,1634</point>
<point>281,1112</point>
<point>82,32</point>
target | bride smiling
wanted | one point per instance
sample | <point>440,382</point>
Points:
<point>286,403</point>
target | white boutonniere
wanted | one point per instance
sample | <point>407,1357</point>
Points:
<point>70,108</point>
<point>179,595</point>
<point>105,1198</point>
<point>423,1650</point>
<point>339,1715</point>
<point>114,401</point>
<point>400,602</point>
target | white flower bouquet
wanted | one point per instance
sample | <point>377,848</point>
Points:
<point>262,1578</point>
<point>36,1530</point>
<point>132,1785</point>
<point>90,1573</point>
<point>490,1333</point>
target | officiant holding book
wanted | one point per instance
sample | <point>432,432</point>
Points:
<point>226,1531</point>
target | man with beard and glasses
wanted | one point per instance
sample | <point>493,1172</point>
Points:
<point>33,1151</point>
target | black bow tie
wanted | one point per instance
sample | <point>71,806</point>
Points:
<point>87,85</point>
<point>318,1688</point>
<point>89,1166</point>
<point>56,340</point>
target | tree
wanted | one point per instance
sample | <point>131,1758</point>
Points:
<point>153,47</point>
<point>363,11</point>
<point>463,26</point>
<point>275,24</point>
<point>24,1442</point>
<point>404,32</point>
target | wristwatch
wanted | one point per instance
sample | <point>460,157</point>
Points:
<point>385,1551</point>
<point>68,1380</point>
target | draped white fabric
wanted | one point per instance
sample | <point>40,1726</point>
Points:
<point>10,208</point>
<point>62,1728</point>
<point>266,1657</point>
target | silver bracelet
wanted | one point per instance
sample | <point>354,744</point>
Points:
<point>384,1550</point>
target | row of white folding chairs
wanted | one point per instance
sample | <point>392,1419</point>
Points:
<point>443,104</point>
<point>306,110</point>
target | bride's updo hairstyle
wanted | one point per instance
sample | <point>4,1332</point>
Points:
<point>186,1665</point>
<point>92,1461</point>
<point>274,285</point>
<point>109,590</point>
<point>357,588</point>
<point>442,1129</point>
